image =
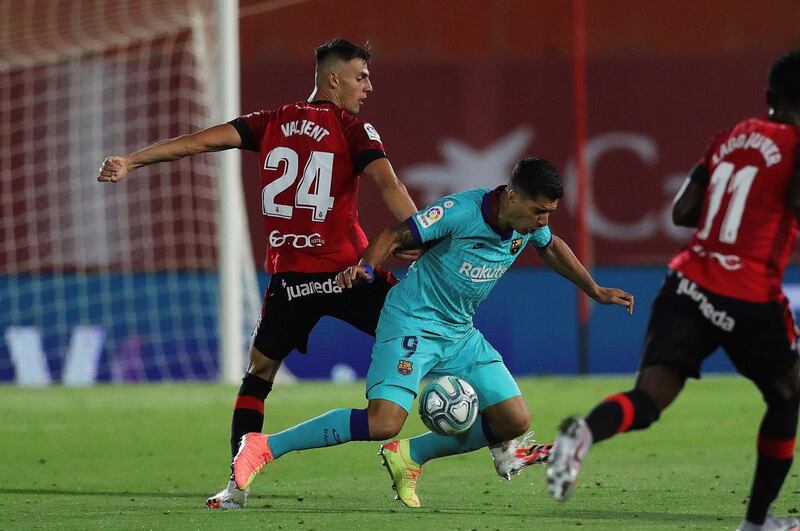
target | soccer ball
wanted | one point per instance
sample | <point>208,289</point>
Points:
<point>448,405</point>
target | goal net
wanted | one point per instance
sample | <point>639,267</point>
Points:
<point>109,282</point>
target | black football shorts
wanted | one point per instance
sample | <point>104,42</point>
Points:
<point>295,302</point>
<point>688,323</point>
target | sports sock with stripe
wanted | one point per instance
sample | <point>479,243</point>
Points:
<point>248,411</point>
<point>622,412</point>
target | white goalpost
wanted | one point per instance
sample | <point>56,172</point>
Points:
<point>232,223</point>
<point>148,279</point>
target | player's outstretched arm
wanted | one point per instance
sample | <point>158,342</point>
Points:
<point>688,203</point>
<point>379,249</point>
<point>217,138</point>
<point>560,258</point>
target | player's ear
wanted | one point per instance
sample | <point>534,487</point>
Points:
<point>333,79</point>
<point>513,195</point>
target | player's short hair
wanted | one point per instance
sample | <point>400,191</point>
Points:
<point>536,177</point>
<point>343,50</point>
<point>784,80</point>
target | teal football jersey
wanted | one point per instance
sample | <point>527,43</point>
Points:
<point>443,289</point>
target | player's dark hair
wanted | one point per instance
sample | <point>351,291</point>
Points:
<point>784,80</point>
<point>343,50</point>
<point>536,177</point>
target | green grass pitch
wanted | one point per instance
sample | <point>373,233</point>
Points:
<point>146,457</point>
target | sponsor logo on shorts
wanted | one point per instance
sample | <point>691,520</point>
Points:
<point>718,318</point>
<point>482,273</point>
<point>405,367</point>
<point>310,288</point>
<point>430,216</point>
<point>449,203</point>
<point>516,245</point>
<point>298,241</point>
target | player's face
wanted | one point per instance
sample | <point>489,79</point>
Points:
<point>527,215</point>
<point>354,84</point>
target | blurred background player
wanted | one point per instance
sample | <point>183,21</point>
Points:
<point>311,155</point>
<point>723,290</point>
<point>426,326</point>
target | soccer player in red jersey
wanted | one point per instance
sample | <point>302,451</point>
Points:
<point>312,154</point>
<point>723,290</point>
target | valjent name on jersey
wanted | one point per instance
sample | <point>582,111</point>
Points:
<point>304,127</point>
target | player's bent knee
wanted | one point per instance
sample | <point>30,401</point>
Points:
<point>386,419</point>
<point>511,426</point>
<point>262,366</point>
<point>508,419</point>
<point>788,399</point>
<point>661,383</point>
<point>382,429</point>
<point>518,425</point>
<point>782,392</point>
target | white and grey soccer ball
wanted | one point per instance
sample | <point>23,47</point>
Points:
<point>448,405</point>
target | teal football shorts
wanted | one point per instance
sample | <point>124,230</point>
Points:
<point>400,363</point>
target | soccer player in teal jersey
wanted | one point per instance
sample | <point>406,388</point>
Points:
<point>426,326</point>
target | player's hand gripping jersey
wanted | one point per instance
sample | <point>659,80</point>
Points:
<point>311,156</point>
<point>444,287</point>
<point>746,229</point>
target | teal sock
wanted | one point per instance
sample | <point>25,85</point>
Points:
<point>432,445</point>
<point>329,429</point>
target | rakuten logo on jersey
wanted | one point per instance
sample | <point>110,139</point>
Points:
<point>481,273</point>
<point>298,241</point>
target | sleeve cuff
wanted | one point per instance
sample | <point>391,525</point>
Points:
<point>700,175</point>
<point>546,245</point>
<point>412,226</point>
<point>363,159</point>
<point>248,142</point>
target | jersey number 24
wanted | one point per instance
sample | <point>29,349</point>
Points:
<point>318,171</point>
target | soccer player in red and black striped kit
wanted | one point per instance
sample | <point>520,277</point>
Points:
<point>723,290</point>
<point>312,154</point>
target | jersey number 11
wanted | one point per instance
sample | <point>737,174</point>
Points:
<point>738,184</point>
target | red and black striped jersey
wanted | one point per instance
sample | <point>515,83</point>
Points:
<point>747,229</point>
<point>311,156</point>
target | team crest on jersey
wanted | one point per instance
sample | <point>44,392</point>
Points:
<point>430,216</point>
<point>372,133</point>
<point>405,367</point>
<point>516,245</point>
